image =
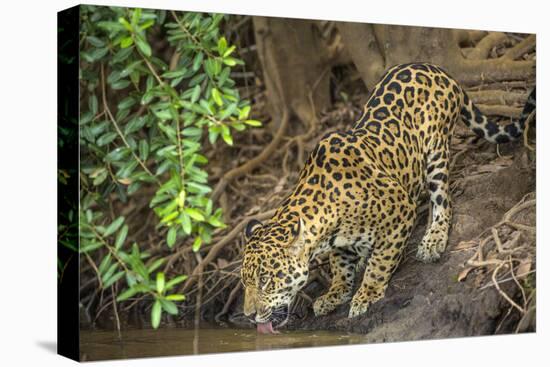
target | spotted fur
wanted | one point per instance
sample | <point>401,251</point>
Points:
<point>356,197</point>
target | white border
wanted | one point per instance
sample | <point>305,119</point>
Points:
<point>28,180</point>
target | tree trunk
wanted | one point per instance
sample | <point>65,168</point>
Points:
<point>375,48</point>
<point>295,66</point>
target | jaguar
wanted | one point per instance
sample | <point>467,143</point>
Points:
<point>356,196</point>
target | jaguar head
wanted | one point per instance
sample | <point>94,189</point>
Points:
<point>274,269</point>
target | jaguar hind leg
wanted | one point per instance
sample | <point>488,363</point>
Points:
<point>386,255</point>
<point>342,266</point>
<point>435,239</point>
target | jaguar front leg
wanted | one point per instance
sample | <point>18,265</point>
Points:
<point>342,265</point>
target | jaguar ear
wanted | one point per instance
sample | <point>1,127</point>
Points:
<point>251,226</point>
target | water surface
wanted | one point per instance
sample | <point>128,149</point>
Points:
<point>136,343</point>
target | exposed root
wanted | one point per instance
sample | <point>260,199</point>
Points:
<point>520,49</point>
<point>502,293</point>
<point>497,97</point>
<point>512,250</point>
<point>484,47</point>
<point>232,296</point>
<point>229,176</point>
<point>495,110</point>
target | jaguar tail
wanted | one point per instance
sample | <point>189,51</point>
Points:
<point>490,130</point>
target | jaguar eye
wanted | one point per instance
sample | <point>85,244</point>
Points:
<point>264,281</point>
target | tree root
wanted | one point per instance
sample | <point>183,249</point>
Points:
<point>500,257</point>
<point>507,111</point>
<point>232,296</point>
<point>467,38</point>
<point>378,47</point>
<point>230,175</point>
<point>497,97</point>
<point>471,72</point>
<point>484,47</point>
<point>520,49</point>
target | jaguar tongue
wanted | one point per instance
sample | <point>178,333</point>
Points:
<point>266,328</point>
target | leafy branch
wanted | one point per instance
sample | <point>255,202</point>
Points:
<point>154,111</point>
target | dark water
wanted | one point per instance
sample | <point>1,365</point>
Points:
<point>136,343</point>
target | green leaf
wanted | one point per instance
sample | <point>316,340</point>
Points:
<point>128,69</point>
<point>125,23</point>
<point>169,217</point>
<point>197,79</point>
<point>169,306</point>
<point>98,53</point>
<point>216,222</point>
<point>155,265</point>
<point>143,46</point>
<point>196,93</point>
<point>128,293</point>
<point>228,111</point>
<point>94,41</point>
<point>120,84</point>
<point>106,138</point>
<point>253,123</point>
<point>122,54</point>
<point>175,297</point>
<point>89,215</point>
<point>121,237</point>
<point>147,24</point>
<point>227,137</point>
<point>110,26</point>
<point>238,126</point>
<point>108,274</point>
<point>98,180</point>
<point>229,51</point>
<point>213,136</point>
<point>156,312</point>
<point>194,213</point>
<point>160,282</point>
<point>198,61</point>
<point>136,16</point>
<point>143,149</point>
<point>222,45</point>
<point>90,246</point>
<point>171,238</point>
<point>163,115</point>
<point>126,103</point>
<point>173,282</point>
<point>92,104</point>
<point>116,154</point>
<point>217,96</point>
<point>135,124</point>
<point>229,61</point>
<point>106,262</point>
<point>114,279</point>
<point>185,223</point>
<point>192,131</point>
<point>198,188</point>
<point>126,42</point>
<point>113,227</point>
<point>197,244</point>
<point>244,112</point>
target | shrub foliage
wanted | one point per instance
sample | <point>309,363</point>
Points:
<point>155,88</point>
